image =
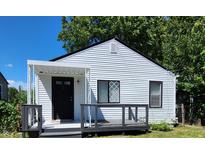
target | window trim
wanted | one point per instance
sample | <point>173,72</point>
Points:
<point>108,81</point>
<point>161,82</point>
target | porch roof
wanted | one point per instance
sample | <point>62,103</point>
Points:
<point>47,67</point>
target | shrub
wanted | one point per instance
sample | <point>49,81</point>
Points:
<point>9,117</point>
<point>163,126</point>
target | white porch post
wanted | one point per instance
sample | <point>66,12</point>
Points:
<point>89,97</point>
<point>29,84</point>
<point>36,88</point>
<point>33,84</point>
<point>85,90</point>
<point>88,93</point>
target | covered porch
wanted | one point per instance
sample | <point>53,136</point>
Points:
<point>45,113</point>
<point>59,88</point>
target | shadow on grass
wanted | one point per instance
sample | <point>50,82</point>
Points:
<point>115,133</point>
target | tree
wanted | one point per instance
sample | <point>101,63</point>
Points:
<point>10,111</point>
<point>17,97</point>
<point>184,54</point>
<point>143,33</point>
<point>12,94</point>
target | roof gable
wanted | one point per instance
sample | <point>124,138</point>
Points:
<point>3,78</point>
<point>117,39</point>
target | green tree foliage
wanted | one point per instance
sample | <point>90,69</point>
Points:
<point>143,33</point>
<point>17,96</point>
<point>9,117</point>
<point>184,52</point>
<point>12,94</point>
<point>10,111</point>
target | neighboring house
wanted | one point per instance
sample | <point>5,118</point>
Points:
<point>3,88</point>
<point>108,72</point>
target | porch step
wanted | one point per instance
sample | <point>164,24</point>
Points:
<point>61,132</point>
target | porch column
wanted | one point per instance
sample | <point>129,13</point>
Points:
<point>33,85</point>
<point>88,93</point>
<point>89,96</point>
<point>85,90</point>
<point>29,84</point>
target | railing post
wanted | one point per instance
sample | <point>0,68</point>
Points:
<point>96,114</point>
<point>147,114</point>
<point>129,113</point>
<point>136,114</point>
<point>23,117</point>
<point>123,115</point>
<point>40,119</point>
<point>82,116</point>
<point>26,117</point>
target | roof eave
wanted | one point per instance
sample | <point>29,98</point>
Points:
<point>4,78</point>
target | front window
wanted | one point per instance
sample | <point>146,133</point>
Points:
<point>108,91</point>
<point>155,94</point>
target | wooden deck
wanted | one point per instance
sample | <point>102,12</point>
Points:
<point>121,124</point>
<point>115,125</point>
<point>32,121</point>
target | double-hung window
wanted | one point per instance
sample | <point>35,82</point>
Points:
<point>155,94</point>
<point>108,91</point>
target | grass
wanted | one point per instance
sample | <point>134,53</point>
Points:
<point>11,135</point>
<point>186,131</point>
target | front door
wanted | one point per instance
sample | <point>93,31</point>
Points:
<point>63,98</point>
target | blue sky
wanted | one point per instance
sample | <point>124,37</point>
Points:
<point>23,38</point>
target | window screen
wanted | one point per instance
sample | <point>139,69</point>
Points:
<point>108,91</point>
<point>155,94</point>
<point>103,91</point>
<point>114,91</point>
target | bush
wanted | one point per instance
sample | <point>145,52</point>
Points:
<point>163,126</point>
<point>9,117</point>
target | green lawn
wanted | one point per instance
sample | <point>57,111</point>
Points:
<point>10,135</point>
<point>178,132</point>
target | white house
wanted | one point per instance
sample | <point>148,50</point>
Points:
<point>106,72</point>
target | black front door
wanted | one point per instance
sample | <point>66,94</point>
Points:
<point>62,98</point>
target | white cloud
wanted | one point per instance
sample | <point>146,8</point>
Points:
<point>9,65</point>
<point>16,84</point>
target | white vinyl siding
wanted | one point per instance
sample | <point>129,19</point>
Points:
<point>134,73</point>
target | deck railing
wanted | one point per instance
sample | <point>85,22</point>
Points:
<point>124,117</point>
<point>31,118</point>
